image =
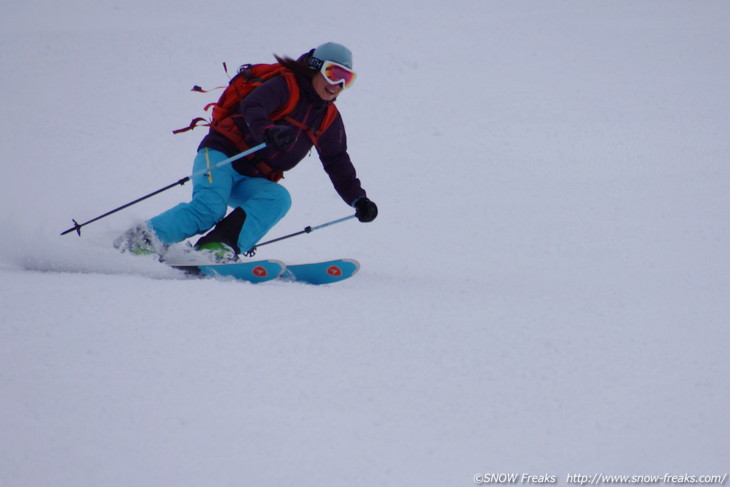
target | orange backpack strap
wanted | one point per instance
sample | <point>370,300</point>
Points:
<point>288,107</point>
<point>194,123</point>
<point>329,118</point>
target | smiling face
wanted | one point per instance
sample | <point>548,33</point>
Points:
<point>326,91</point>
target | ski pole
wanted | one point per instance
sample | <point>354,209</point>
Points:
<point>252,251</point>
<point>77,226</point>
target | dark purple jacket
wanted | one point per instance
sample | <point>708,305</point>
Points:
<point>310,111</point>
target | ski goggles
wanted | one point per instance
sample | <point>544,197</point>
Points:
<point>336,74</point>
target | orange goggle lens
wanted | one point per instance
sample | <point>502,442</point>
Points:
<point>336,74</point>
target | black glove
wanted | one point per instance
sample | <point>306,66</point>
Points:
<point>279,137</point>
<point>365,210</point>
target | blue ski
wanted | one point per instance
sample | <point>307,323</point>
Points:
<point>266,270</point>
<point>256,271</point>
<point>322,272</point>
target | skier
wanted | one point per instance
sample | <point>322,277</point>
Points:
<point>249,185</point>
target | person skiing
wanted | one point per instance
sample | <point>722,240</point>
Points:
<point>250,185</point>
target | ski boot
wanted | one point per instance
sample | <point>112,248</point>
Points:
<point>218,252</point>
<point>221,243</point>
<point>140,240</point>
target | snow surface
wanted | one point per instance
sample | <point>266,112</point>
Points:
<point>546,289</point>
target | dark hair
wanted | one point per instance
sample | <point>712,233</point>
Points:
<point>299,66</point>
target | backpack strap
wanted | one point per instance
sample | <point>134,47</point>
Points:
<point>194,123</point>
<point>328,119</point>
<point>314,134</point>
<point>288,107</point>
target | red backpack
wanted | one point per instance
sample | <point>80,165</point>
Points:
<point>249,77</point>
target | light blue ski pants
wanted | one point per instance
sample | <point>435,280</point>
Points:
<point>264,202</point>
